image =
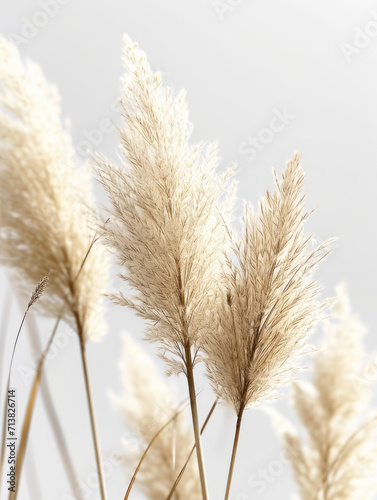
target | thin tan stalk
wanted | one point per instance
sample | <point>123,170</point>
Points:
<point>195,421</point>
<point>34,297</point>
<point>146,452</point>
<point>182,471</point>
<point>87,386</point>
<point>51,411</point>
<point>4,426</point>
<point>37,378</point>
<point>28,415</point>
<point>92,420</point>
<point>234,451</point>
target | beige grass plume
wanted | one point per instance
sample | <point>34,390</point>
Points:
<point>165,225</point>
<point>267,303</point>
<point>338,460</point>
<point>166,221</point>
<point>146,406</point>
<point>46,203</point>
<point>47,209</point>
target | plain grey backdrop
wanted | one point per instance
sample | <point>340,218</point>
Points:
<point>264,79</point>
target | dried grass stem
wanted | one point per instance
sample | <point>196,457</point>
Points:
<point>92,419</point>
<point>195,421</point>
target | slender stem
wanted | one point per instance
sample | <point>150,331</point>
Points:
<point>4,426</point>
<point>147,449</point>
<point>234,451</point>
<point>51,409</point>
<point>29,414</point>
<point>92,420</point>
<point>195,422</point>
<point>16,341</point>
<point>182,471</point>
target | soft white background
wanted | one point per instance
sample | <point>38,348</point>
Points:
<point>238,69</point>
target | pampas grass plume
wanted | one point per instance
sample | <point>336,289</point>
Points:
<point>267,302</point>
<point>338,459</point>
<point>47,207</point>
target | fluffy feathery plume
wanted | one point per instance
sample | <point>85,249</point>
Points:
<point>166,220</point>
<point>46,203</point>
<point>165,224</point>
<point>339,459</point>
<point>146,406</point>
<point>268,302</point>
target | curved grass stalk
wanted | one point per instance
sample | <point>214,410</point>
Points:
<point>182,471</point>
<point>234,451</point>
<point>195,422</point>
<point>92,420</point>
<point>147,449</point>
<point>36,382</point>
<point>34,297</point>
<point>51,411</point>
<point>28,415</point>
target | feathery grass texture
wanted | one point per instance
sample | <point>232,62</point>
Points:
<point>165,224</point>
<point>267,302</point>
<point>47,207</point>
<point>46,202</point>
<point>267,305</point>
<point>166,220</point>
<point>146,406</point>
<point>338,461</point>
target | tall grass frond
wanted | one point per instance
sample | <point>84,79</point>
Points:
<point>165,225</point>
<point>47,206</point>
<point>267,300</point>
<point>168,208</point>
<point>266,303</point>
